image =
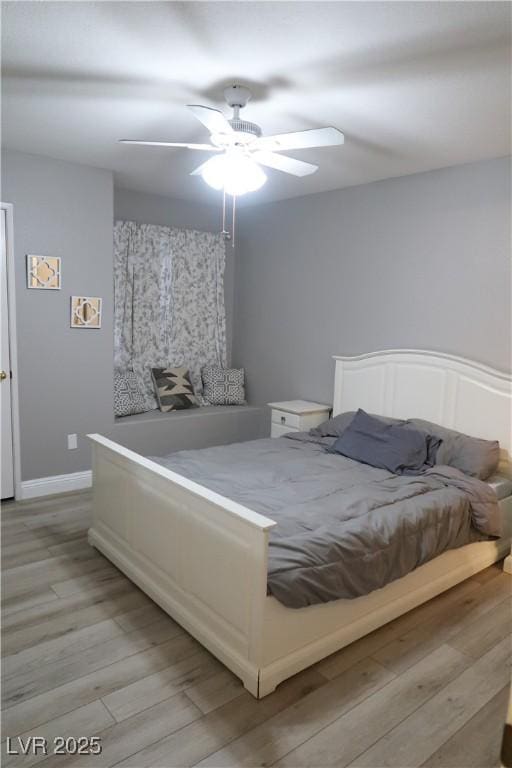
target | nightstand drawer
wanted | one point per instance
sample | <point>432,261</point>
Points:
<point>290,420</point>
<point>277,430</point>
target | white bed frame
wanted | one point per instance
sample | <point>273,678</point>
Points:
<point>203,557</point>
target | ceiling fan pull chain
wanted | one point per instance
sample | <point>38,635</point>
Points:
<point>226,235</point>
<point>224,212</point>
<point>233,225</point>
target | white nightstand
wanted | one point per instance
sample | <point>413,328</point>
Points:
<point>296,416</point>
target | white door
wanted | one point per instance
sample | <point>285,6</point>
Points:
<point>7,474</point>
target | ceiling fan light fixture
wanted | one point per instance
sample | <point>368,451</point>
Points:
<point>235,173</point>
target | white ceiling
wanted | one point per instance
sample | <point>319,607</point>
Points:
<point>413,85</point>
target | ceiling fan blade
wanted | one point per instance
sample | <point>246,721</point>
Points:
<point>213,119</point>
<point>200,168</point>
<point>283,163</point>
<point>315,137</point>
<point>204,147</point>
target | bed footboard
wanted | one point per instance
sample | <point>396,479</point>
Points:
<point>200,556</point>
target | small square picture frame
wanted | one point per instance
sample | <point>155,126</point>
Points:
<point>86,312</point>
<point>43,272</point>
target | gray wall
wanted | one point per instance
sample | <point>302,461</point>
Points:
<point>420,261</point>
<point>167,212</point>
<point>65,375</point>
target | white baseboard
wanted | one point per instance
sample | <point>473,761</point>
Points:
<point>46,486</point>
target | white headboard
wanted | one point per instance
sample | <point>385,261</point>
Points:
<point>411,383</point>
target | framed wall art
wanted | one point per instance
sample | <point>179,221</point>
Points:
<point>43,272</point>
<point>85,312</point>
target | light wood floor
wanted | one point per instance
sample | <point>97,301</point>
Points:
<point>85,653</point>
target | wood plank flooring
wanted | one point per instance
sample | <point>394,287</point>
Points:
<point>86,653</point>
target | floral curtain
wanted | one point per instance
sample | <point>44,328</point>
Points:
<point>168,301</point>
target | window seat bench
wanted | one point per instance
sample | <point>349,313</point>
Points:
<point>156,434</point>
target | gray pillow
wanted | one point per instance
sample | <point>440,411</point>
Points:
<point>128,398</point>
<point>337,425</point>
<point>471,455</point>
<point>400,448</point>
<point>223,386</point>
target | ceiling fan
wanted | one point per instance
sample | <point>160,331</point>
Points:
<point>240,149</point>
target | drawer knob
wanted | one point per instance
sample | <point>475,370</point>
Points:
<point>283,419</point>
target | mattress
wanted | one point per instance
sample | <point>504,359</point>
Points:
<point>501,485</point>
<point>343,528</point>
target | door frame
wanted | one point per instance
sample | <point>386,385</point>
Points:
<point>13,346</point>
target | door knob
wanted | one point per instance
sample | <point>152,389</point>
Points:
<point>3,375</point>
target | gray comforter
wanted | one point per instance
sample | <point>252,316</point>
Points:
<point>343,528</point>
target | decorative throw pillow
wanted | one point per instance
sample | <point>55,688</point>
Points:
<point>173,388</point>
<point>336,425</point>
<point>128,398</point>
<point>399,448</point>
<point>223,386</point>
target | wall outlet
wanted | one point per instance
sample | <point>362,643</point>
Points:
<point>71,442</point>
